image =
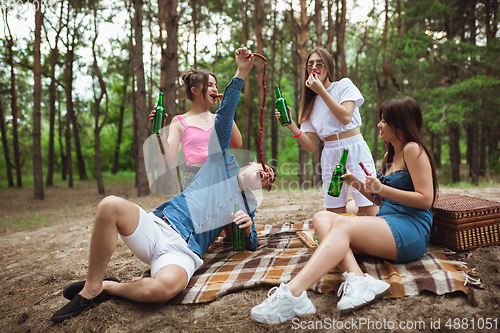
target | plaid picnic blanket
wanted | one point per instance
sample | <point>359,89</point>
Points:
<point>281,255</point>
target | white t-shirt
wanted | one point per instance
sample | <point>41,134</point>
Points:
<point>323,122</point>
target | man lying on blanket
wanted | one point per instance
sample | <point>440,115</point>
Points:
<point>174,237</point>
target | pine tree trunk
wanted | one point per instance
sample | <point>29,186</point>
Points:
<point>340,42</point>
<point>64,162</point>
<point>259,66</point>
<point>316,156</point>
<point>54,54</point>
<point>474,155</point>
<point>49,182</point>
<point>247,90</point>
<point>5,145</point>
<point>15,126</point>
<point>37,114</point>
<point>142,112</point>
<point>69,110</point>
<point>116,160</point>
<point>82,173</point>
<point>303,169</point>
<point>272,71</point>
<point>97,111</point>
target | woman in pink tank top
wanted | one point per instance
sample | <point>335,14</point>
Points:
<point>193,128</point>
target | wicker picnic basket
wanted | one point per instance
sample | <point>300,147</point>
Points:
<point>462,222</point>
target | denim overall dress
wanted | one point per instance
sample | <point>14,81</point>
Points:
<point>411,227</point>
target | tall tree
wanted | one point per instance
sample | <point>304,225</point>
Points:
<point>316,155</point>
<point>491,28</point>
<point>273,65</point>
<point>194,19</point>
<point>97,109</point>
<point>303,171</point>
<point>5,145</point>
<point>259,66</point>
<point>246,88</point>
<point>169,21</point>
<point>37,113</point>
<point>318,22</point>
<point>68,88</point>
<point>141,110</point>
<point>340,61</point>
<point>53,57</point>
<point>116,159</point>
<point>14,106</point>
<point>381,85</point>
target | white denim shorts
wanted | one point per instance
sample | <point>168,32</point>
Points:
<point>358,152</point>
<point>157,244</point>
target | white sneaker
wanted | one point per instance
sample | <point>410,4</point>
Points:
<point>281,306</point>
<point>358,291</point>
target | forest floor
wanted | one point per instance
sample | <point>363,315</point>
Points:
<point>37,263</point>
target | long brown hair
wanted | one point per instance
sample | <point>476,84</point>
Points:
<point>404,117</point>
<point>195,78</point>
<point>309,96</point>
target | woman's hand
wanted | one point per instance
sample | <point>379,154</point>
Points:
<point>373,185</point>
<point>152,116</point>
<point>352,180</point>
<point>243,221</point>
<point>314,84</point>
<point>278,115</point>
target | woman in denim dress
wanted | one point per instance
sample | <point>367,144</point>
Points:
<point>405,191</point>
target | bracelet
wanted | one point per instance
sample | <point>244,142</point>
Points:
<point>296,136</point>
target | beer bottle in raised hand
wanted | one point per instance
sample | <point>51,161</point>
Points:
<point>281,105</point>
<point>337,180</point>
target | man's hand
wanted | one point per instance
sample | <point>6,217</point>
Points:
<point>245,61</point>
<point>243,221</point>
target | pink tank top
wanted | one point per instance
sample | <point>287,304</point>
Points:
<point>194,142</point>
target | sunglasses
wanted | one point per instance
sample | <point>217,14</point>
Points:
<point>310,65</point>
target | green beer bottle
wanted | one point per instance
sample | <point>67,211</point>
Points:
<point>159,117</point>
<point>158,121</point>
<point>281,105</point>
<point>238,234</point>
<point>337,181</point>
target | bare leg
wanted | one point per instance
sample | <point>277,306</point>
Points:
<point>114,215</point>
<point>166,284</point>
<point>371,235</point>
<point>339,210</point>
<point>368,210</point>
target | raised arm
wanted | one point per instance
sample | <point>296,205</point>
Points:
<point>342,111</point>
<point>224,122</point>
<point>236,140</point>
<point>307,140</point>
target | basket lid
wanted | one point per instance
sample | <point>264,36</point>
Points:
<point>461,206</point>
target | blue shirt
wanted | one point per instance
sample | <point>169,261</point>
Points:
<point>203,209</point>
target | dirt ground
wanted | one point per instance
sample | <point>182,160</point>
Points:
<point>36,264</point>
